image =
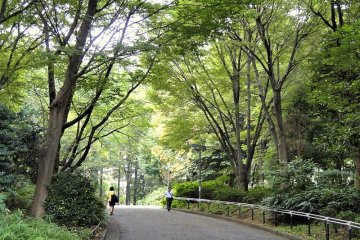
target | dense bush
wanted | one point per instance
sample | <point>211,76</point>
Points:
<point>18,191</point>
<point>21,198</point>
<point>2,203</point>
<point>154,198</point>
<point>296,175</point>
<point>21,140</point>
<point>327,192</point>
<point>327,201</point>
<point>72,201</point>
<point>218,190</point>
<point>16,227</point>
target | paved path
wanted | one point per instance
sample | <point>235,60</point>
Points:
<point>153,223</point>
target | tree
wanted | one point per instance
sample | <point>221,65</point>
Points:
<point>86,55</point>
<point>334,99</point>
<point>238,39</point>
<point>59,108</point>
<point>16,47</point>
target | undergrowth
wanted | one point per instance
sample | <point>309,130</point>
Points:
<point>301,230</point>
<point>16,226</point>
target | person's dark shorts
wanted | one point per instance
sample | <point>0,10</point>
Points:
<point>111,204</point>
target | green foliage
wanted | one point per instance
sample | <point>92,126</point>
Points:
<point>16,227</point>
<point>72,201</point>
<point>326,201</point>
<point>300,187</point>
<point>20,141</point>
<point>333,97</point>
<point>216,190</point>
<point>18,191</point>
<point>2,203</point>
<point>176,204</point>
<point>7,181</point>
<point>297,175</point>
<point>22,198</point>
<point>154,198</point>
<point>257,194</point>
<point>334,178</point>
<point>186,189</point>
<point>348,215</point>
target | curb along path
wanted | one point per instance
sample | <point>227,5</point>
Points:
<point>154,223</point>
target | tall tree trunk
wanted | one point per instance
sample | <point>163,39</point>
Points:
<point>128,181</point>
<point>3,9</point>
<point>282,147</point>
<point>135,185</point>
<point>262,95</point>
<point>119,186</point>
<point>142,180</point>
<point>248,118</point>
<point>59,109</point>
<point>46,163</point>
<point>241,173</point>
<point>101,182</point>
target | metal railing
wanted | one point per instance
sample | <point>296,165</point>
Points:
<point>94,231</point>
<point>327,220</point>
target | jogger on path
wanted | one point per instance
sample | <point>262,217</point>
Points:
<point>169,198</point>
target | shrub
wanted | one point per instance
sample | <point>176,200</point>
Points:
<point>72,201</point>
<point>295,176</point>
<point>327,201</point>
<point>154,198</point>
<point>2,203</point>
<point>257,194</point>
<point>217,190</point>
<point>229,194</point>
<point>177,204</point>
<point>187,189</point>
<point>347,215</point>
<point>21,198</point>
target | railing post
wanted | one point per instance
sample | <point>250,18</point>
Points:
<point>263,216</point>
<point>328,221</point>
<point>350,231</point>
<point>327,230</point>
<point>309,224</point>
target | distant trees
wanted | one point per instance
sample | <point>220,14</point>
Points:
<point>243,65</point>
<point>231,58</point>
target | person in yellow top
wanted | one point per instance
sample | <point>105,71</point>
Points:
<point>111,199</point>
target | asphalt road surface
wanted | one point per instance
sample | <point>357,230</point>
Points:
<point>153,223</point>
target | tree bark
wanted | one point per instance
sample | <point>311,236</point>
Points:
<point>128,181</point>
<point>282,147</point>
<point>59,109</point>
<point>101,191</point>
<point>118,183</point>
<point>135,185</point>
